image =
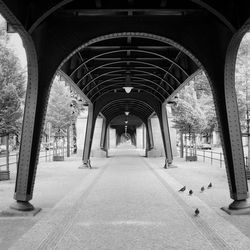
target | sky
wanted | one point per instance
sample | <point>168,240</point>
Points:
<point>16,44</point>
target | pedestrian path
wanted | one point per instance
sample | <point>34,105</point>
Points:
<point>129,202</point>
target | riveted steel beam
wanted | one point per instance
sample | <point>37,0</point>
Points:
<point>235,161</point>
<point>28,153</point>
<point>120,62</point>
<point>135,85</point>
<point>149,133</point>
<point>103,133</point>
<point>111,73</point>
<point>159,56</point>
<point>166,134</point>
<point>88,136</point>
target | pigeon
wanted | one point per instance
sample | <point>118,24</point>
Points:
<point>202,189</point>
<point>196,212</point>
<point>182,189</point>
<point>190,192</point>
<point>209,185</point>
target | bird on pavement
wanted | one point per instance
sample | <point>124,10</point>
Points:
<point>202,189</point>
<point>190,192</point>
<point>182,189</point>
<point>196,212</point>
<point>209,185</point>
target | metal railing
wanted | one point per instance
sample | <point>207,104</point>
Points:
<point>7,158</point>
<point>211,156</point>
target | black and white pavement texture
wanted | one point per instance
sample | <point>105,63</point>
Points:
<point>126,201</point>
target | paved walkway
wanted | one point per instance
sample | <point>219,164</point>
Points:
<point>131,202</point>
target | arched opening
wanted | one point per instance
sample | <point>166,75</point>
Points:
<point>152,67</point>
<point>129,131</point>
<point>13,84</point>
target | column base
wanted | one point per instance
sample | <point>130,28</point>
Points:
<point>166,165</point>
<point>20,209</point>
<point>238,207</point>
<point>22,206</point>
<point>85,165</point>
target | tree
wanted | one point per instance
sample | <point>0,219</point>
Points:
<point>189,118</point>
<point>12,89</point>
<point>60,113</point>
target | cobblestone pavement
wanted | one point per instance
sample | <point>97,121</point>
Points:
<point>128,202</point>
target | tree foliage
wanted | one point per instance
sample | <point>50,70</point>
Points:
<point>189,118</point>
<point>60,113</point>
<point>195,112</point>
<point>12,89</point>
<point>242,80</point>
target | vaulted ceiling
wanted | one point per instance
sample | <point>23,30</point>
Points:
<point>120,53</point>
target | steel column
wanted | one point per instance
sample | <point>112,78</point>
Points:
<point>150,133</point>
<point>165,134</point>
<point>106,137</point>
<point>88,136</point>
<point>235,160</point>
<point>103,133</point>
<point>29,146</point>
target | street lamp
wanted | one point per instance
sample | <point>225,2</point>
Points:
<point>127,89</point>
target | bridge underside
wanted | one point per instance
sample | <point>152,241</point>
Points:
<point>104,47</point>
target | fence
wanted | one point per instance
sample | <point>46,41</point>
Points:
<point>7,158</point>
<point>212,157</point>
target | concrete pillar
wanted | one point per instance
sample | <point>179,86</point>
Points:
<point>81,125</point>
<point>150,141</point>
<point>112,138</point>
<point>103,133</point>
<point>144,136</point>
<point>158,149</point>
<point>172,131</point>
<point>139,137</point>
<point>107,139</point>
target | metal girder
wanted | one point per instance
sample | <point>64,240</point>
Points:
<point>136,113</point>
<point>119,62</point>
<point>145,98</point>
<point>134,106</point>
<point>84,65</point>
<point>236,167</point>
<point>75,87</point>
<point>184,84</point>
<point>131,50</point>
<point>137,84</point>
<point>138,78</point>
<point>120,85</point>
<point>138,108</point>
<point>109,73</point>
